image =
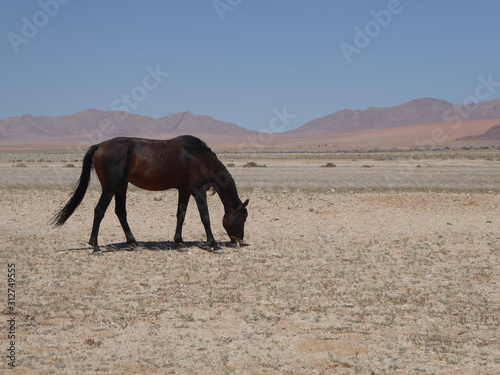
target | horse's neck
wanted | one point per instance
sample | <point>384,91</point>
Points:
<point>226,188</point>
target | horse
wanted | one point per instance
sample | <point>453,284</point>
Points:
<point>184,163</point>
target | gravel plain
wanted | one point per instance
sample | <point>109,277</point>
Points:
<point>369,267</point>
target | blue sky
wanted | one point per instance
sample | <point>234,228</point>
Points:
<point>242,60</point>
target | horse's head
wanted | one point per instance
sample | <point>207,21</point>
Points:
<point>234,223</point>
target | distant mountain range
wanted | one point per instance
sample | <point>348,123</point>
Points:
<point>91,122</point>
<point>416,112</point>
<point>93,126</point>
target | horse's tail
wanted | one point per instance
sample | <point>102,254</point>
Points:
<point>77,197</point>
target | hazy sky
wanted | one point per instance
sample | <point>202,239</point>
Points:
<point>242,60</point>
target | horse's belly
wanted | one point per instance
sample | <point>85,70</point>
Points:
<point>153,182</point>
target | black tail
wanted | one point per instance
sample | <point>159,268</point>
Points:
<point>77,197</point>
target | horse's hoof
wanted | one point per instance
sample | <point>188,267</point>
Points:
<point>134,246</point>
<point>214,248</point>
<point>181,247</point>
<point>98,252</point>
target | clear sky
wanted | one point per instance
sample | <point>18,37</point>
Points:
<point>242,60</point>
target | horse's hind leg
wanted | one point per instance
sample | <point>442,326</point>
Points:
<point>99,212</point>
<point>121,211</point>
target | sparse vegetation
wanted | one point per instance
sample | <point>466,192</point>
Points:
<point>252,164</point>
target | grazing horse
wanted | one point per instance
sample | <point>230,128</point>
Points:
<point>185,163</point>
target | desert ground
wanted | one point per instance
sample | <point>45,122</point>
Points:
<point>381,263</point>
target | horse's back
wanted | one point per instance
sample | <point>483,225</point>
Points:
<point>154,164</point>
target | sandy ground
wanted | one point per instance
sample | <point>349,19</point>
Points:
<point>329,283</point>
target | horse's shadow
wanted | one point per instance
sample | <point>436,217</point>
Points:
<point>156,246</point>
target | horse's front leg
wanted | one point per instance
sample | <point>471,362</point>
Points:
<point>200,195</point>
<point>121,212</point>
<point>182,205</point>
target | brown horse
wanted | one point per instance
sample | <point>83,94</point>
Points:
<point>185,163</point>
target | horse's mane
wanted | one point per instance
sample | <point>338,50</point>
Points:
<point>192,143</point>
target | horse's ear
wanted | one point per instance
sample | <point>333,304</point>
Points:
<point>245,203</point>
